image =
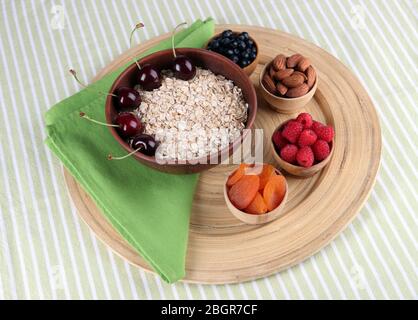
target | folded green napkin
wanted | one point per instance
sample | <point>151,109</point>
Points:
<point>150,209</point>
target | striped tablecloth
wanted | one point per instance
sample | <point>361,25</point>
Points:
<point>47,252</point>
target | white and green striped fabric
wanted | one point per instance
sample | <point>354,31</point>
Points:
<point>46,251</point>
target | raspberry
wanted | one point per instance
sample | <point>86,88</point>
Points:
<point>292,131</point>
<point>325,133</point>
<point>305,119</point>
<point>278,140</point>
<point>307,138</point>
<point>288,153</point>
<point>316,125</point>
<point>305,157</point>
<point>321,150</point>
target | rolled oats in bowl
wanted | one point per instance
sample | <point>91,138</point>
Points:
<point>195,118</point>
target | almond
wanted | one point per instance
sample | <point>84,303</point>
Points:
<point>302,74</point>
<point>303,64</point>
<point>293,60</point>
<point>281,74</point>
<point>271,71</point>
<point>279,63</point>
<point>298,91</point>
<point>293,81</point>
<point>281,88</point>
<point>268,84</point>
<point>311,75</point>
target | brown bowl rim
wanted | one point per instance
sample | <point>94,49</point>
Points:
<point>255,61</point>
<point>290,165</point>
<point>207,158</point>
<point>263,71</point>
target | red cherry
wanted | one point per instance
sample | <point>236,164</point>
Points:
<point>128,98</point>
<point>149,77</point>
<point>183,68</point>
<point>145,144</point>
<point>128,124</point>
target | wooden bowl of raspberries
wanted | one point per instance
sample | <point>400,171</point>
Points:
<point>303,146</point>
<point>288,83</point>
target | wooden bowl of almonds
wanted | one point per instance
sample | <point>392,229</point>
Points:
<point>186,118</point>
<point>288,83</point>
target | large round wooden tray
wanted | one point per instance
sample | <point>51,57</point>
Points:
<point>221,248</point>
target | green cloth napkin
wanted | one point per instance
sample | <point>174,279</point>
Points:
<point>150,209</point>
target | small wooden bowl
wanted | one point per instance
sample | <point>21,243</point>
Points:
<point>298,170</point>
<point>282,104</point>
<point>255,218</point>
<point>251,67</point>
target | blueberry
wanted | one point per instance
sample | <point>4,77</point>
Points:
<point>230,52</point>
<point>254,49</point>
<point>242,45</point>
<point>248,50</point>
<point>214,44</point>
<point>245,35</point>
<point>241,37</point>
<point>253,55</point>
<point>241,63</point>
<point>235,58</point>
<point>234,44</point>
<point>226,33</point>
<point>245,63</point>
<point>245,55</point>
<point>225,41</point>
<point>236,51</point>
<point>250,42</point>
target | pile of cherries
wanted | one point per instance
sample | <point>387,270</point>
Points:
<point>127,123</point>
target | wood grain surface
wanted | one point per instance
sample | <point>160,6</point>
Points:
<point>222,249</point>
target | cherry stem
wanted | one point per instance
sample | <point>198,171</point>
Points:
<point>74,74</point>
<point>83,115</point>
<point>172,37</point>
<point>110,157</point>
<point>137,26</point>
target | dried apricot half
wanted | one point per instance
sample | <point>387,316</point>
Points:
<point>268,171</point>
<point>243,192</point>
<point>257,206</point>
<point>236,175</point>
<point>274,191</point>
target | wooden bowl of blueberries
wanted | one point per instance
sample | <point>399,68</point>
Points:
<point>238,47</point>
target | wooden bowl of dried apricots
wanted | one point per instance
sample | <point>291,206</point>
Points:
<point>256,193</point>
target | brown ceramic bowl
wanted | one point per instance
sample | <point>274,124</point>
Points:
<point>283,104</point>
<point>218,64</point>
<point>251,67</point>
<point>295,169</point>
<point>249,218</point>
